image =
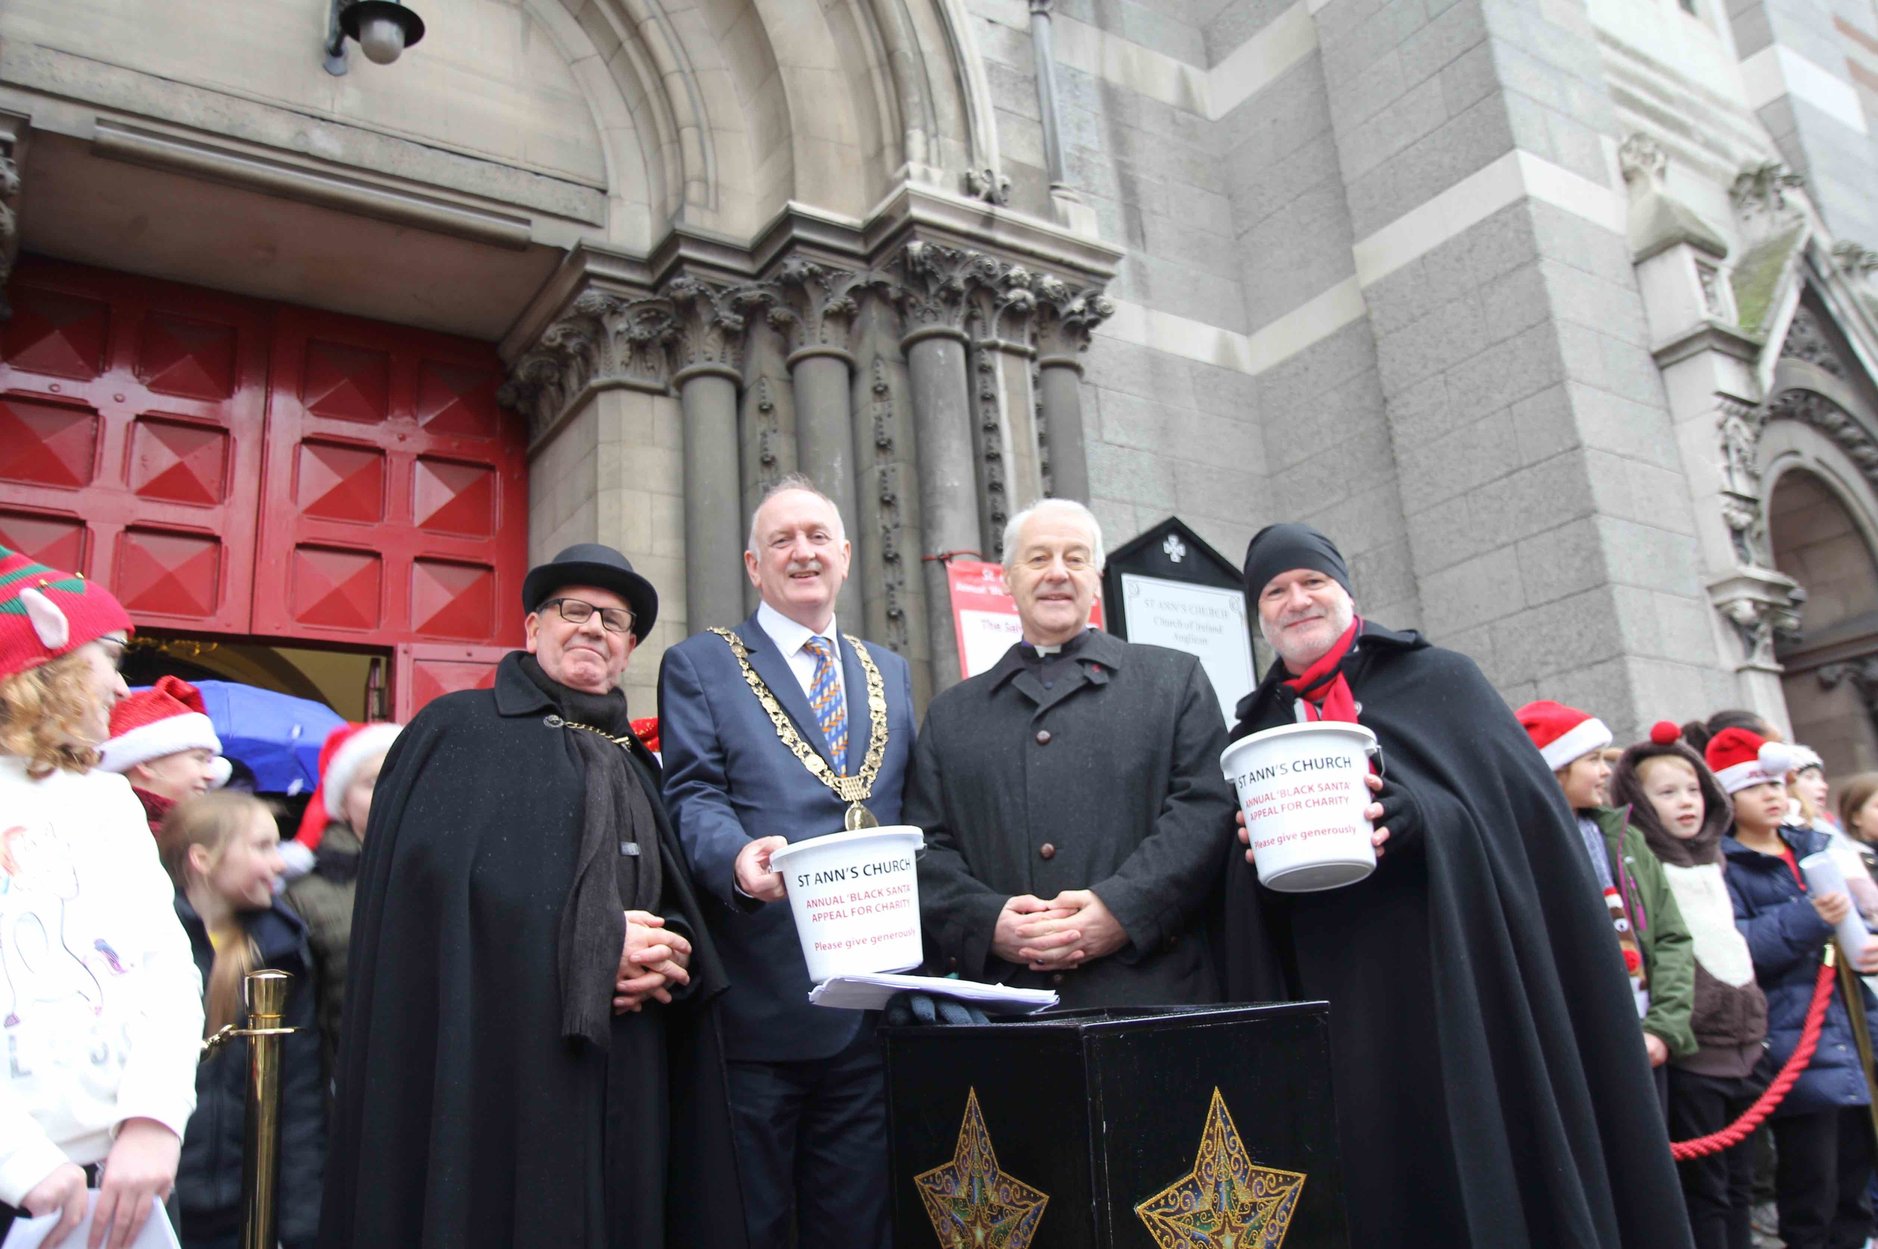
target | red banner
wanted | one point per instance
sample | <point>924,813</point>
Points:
<point>984,615</point>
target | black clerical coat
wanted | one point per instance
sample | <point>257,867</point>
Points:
<point>1108,779</point>
<point>463,1117</point>
<point>1491,1083</point>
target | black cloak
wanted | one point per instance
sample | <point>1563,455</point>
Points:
<point>1492,1088</point>
<point>463,1118</point>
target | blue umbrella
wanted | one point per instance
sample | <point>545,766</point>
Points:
<point>276,735</point>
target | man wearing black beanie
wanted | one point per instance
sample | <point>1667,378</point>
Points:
<point>1483,1032</point>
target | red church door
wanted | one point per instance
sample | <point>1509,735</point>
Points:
<point>229,466</point>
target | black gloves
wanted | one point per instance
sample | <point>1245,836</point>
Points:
<point>921,1009</point>
<point>1401,815</point>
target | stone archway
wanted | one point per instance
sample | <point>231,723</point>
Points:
<point>1820,539</point>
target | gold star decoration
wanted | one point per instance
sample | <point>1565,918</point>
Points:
<point>1224,1202</point>
<point>971,1202</point>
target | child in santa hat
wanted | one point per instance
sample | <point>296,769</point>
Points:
<point>334,825</point>
<point>1650,932</point>
<point>104,1021</point>
<point>1683,813</point>
<point>163,743</point>
<point>1822,1130</point>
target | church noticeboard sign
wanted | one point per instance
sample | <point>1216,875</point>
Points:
<point>1167,587</point>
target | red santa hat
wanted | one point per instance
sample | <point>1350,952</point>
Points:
<point>162,720</point>
<point>45,613</point>
<point>1562,733</point>
<point>346,749</point>
<point>1740,759</point>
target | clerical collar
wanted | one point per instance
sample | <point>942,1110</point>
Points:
<point>1034,654</point>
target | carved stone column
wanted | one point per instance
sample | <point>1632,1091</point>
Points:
<point>937,281</point>
<point>1065,318</point>
<point>767,421</point>
<point>1760,603</point>
<point>818,312</point>
<point>708,354</point>
<point>886,528</point>
<point>593,388</point>
<point>1009,461</point>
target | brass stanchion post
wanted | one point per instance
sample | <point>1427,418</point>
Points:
<point>260,1155</point>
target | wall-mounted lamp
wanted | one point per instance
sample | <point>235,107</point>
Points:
<point>383,28</point>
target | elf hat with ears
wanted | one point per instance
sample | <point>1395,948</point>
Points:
<point>1562,733</point>
<point>1741,759</point>
<point>45,613</point>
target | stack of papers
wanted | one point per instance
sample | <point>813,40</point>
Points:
<point>871,992</point>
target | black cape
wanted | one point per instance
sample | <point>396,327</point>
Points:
<point>1492,1088</point>
<point>463,1118</point>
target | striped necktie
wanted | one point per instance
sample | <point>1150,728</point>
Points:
<point>831,709</point>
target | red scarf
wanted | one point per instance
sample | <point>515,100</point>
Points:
<point>155,806</point>
<point>1325,693</point>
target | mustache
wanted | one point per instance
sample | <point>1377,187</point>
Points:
<point>810,565</point>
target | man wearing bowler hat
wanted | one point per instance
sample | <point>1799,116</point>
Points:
<point>1483,1033</point>
<point>530,1050</point>
<point>779,730</point>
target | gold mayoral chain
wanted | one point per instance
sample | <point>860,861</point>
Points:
<point>855,789</point>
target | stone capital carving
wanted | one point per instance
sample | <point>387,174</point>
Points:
<point>988,185</point>
<point>817,304</point>
<point>1862,675</point>
<point>938,283</point>
<point>1764,608</point>
<point>1001,306</point>
<point>1854,259</point>
<point>602,339</point>
<point>10,186</point>
<point>710,319</point>
<point>1643,160</point>
<point>1761,198</point>
<point>1066,315</point>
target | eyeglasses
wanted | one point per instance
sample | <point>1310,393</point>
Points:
<point>579,611</point>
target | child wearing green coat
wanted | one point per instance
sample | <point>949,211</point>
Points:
<point>1658,953</point>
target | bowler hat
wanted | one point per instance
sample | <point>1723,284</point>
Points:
<point>591,563</point>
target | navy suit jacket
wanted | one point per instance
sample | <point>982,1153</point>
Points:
<point>729,780</point>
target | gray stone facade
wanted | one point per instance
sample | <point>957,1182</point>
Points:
<point>1499,293</point>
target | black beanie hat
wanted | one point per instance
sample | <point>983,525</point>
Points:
<point>1278,549</point>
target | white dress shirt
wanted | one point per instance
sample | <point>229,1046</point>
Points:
<point>792,640</point>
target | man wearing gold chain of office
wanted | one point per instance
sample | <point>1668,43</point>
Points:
<point>782,729</point>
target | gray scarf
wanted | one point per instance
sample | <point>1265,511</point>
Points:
<point>616,865</point>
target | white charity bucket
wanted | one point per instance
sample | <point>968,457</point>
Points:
<point>855,897</point>
<point>1303,788</point>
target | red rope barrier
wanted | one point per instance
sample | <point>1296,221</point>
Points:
<point>1764,1105</point>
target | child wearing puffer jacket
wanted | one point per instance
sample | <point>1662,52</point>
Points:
<point>1822,1131</point>
<point>1683,814</point>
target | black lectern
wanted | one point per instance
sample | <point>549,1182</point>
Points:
<point>1171,1128</point>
